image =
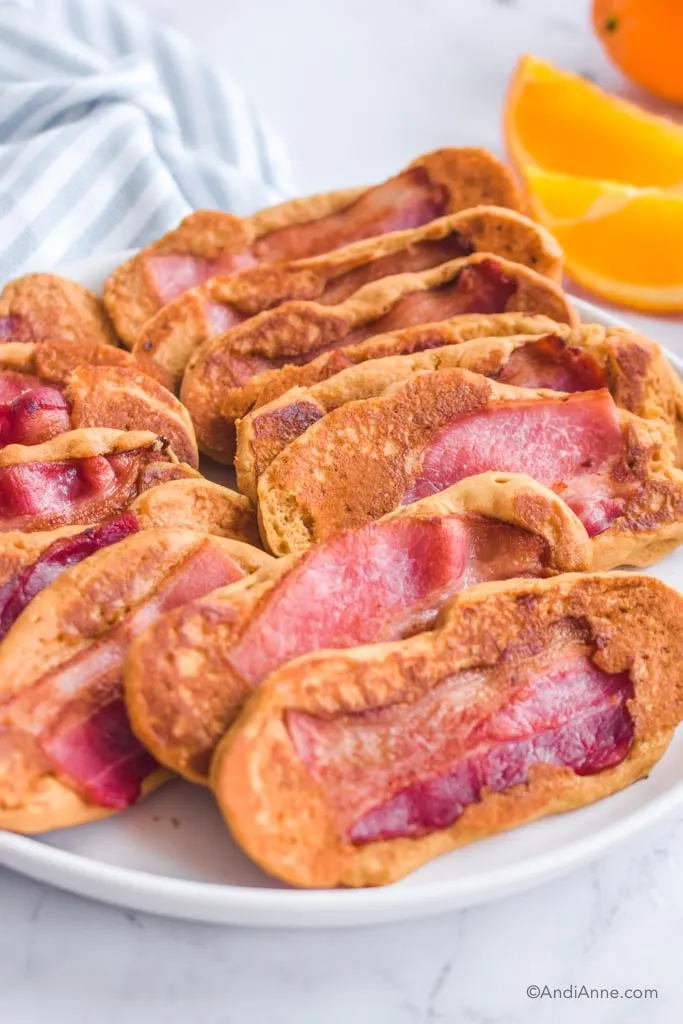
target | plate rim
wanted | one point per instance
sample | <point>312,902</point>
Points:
<point>226,903</point>
<point>212,902</point>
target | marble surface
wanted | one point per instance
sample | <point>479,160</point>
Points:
<point>357,87</point>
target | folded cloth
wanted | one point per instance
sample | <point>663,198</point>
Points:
<point>112,128</point>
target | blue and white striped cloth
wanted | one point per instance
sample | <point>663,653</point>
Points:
<point>112,128</point>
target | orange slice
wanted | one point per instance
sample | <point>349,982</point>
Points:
<point>561,122</point>
<point>623,243</point>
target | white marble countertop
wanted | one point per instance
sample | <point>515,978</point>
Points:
<point>357,87</point>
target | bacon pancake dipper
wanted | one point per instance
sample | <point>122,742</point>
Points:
<point>67,754</point>
<point>368,457</point>
<point>189,673</point>
<point>221,381</point>
<point>125,399</point>
<point>633,368</point>
<point>167,341</point>
<point>530,698</point>
<point>409,340</point>
<point>40,307</point>
<point>30,561</point>
<point>83,476</point>
<point>209,243</point>
<point>34,409</point>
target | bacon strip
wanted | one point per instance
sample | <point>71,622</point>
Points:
<point>43,495</point>
<point>406,201</point>
<point>17,592</point>
<point>14,384</point>
<point>570,446</point>
<point>36,415</point>
<point>222,316</point>
<point>419,256</point>
<point>480,288</point>
<point>358,588</point>
<point>379,582</point>
<point>406,770</point>
<point>550,362</point>
<point>175,273</point>
<point>32,488</point>
<point>75,711</point>
<point>102,756</point>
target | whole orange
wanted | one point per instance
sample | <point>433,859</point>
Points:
<point>644,38</point>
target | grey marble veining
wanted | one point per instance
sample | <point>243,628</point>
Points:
<point>358,87</point>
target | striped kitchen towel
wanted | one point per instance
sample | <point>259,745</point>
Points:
<point>112,128</point>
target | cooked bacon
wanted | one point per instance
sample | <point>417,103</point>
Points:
<point>101,754</point>
<point>43,495</point>
<point>406,201</point>
<point>408,769</point>
<point>480,288</point>
<point>75,711</point>
<point>550,362</point>
<point>14,384</point>
<point>17,592</point>
<point>570,446</point>
<point>380,582</point>
<point>597,498</point>
<point>222,316</point>
<point>35,416</point>
<point>32,488</point>
<point>175,273</point>
<point>361,586</point>
<point>243,368</point>
<point>420,256</point>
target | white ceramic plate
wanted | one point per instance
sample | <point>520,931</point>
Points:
<point>172,855</point>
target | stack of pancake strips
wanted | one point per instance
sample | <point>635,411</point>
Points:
<point>401,633</point>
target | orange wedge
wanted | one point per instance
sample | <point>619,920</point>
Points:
<point>623,243</point>
<point>562,122</point>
